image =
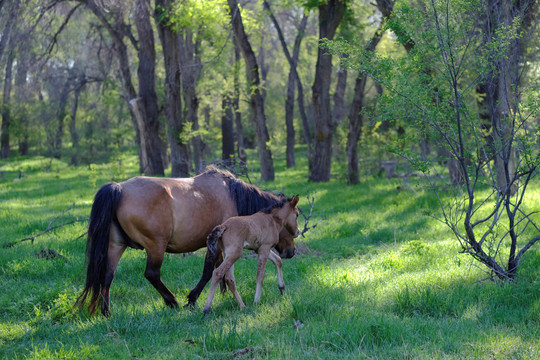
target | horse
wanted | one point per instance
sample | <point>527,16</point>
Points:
<point>161,215</point>
<point>258,232</point>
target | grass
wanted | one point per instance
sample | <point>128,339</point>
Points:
<point>377,279</point>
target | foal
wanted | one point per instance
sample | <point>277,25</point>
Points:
<point>258,232</point>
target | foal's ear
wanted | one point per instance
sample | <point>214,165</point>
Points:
<point>294,200</point>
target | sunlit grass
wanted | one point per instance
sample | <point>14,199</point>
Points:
<point>376,279</point>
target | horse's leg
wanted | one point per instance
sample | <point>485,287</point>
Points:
<point>218,274</point>
<point>154,261</point>
<point>210,263</point>
<point>264,252</point>
<point>229,279</point>
<point>116,249</point>
<point>277,262</point>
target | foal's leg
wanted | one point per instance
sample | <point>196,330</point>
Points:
<point>154,261</point>
<point>263,252</point>
<point>277,262</point>
<point>229,279</point>
<point>219,273</point>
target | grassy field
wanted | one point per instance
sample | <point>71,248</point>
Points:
<point>377,279</point>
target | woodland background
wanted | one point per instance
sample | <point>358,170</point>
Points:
<point>410,127</point>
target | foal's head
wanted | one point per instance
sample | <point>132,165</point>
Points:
<point>289,214</point>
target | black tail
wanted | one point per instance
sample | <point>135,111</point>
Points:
<point>103,213</point>
<point>212,256</point>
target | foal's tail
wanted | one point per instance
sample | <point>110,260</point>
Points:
<point>212,243</point>
<point>103,213</point>
<point>213,258</point>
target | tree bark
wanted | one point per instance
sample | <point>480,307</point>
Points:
<point>6,111</point>
<point>180,157</point>
<point>356,120</point>
<point>330,15</point>
<point>294,79</point>
<point>147,90</point>
<point>190,68</point>
<point>241,148</point>
<point>73,125</point>
<point>256,99</point>
<point>227,132</point>
<point>339,96</point>
<point>118,30</point>
<point>21,92</point>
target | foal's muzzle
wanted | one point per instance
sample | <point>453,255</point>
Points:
<point>287,254</point>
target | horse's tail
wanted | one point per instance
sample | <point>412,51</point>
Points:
<point>102,215</point>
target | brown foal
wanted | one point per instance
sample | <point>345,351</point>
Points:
<point>258,232</point>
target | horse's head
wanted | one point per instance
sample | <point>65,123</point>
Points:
<point>285,246</point>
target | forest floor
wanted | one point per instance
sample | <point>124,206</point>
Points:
<point>378,279</point>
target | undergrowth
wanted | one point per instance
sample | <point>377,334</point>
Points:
<point>377,279</point>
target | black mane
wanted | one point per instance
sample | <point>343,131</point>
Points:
<point>248,198</point>
<point>277,205</point>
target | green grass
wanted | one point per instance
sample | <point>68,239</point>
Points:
<point>377,279</point>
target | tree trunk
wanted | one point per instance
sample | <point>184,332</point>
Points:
<point>150,156</point>
<point>227,134</point>
<point>294,78</point>
<point>190,69</point>
<point>6,112</point>
<point>256,100</point>
<point>355,129</point>
<point>289,124</point>
<point>21,92</point>
<point>72,126</point>
<point>356,120</point>
<point>241,148</point>
<point>180,158</point>
<point>330,15</point>
<point>9,26</point>
<point>339,96</point>
<point>147,91</point>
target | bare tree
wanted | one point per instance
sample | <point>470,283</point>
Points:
<point>142,103</point>
<point>180,156</point>
<point>330,15</point>
<point>355,114</point>
<point>293,81</point>
<point>256,98</point>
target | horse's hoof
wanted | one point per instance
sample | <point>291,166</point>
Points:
<point>206,311</point>
<point>282,290</point>
<point>171,304</point>
<point>190,305</point>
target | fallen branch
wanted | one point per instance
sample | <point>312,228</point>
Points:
<point>306,218</point>
<point>50,227</point>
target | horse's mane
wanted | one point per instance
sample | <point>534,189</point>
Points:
<point>248,198</point>
<point>278,205</point>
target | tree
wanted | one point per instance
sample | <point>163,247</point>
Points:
<point>142,103</point>
<point>180,158</point>
<point>355,114</point>
<point>330,15</point>
<point>491,223</point>
<point>256,99</point>
<point>7,41</point>
<point>293,80</point>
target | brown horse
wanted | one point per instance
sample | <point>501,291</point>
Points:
<point>163,215</point>
<point>258,232</point>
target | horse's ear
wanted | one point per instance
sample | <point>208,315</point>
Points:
<point>294,200</point>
